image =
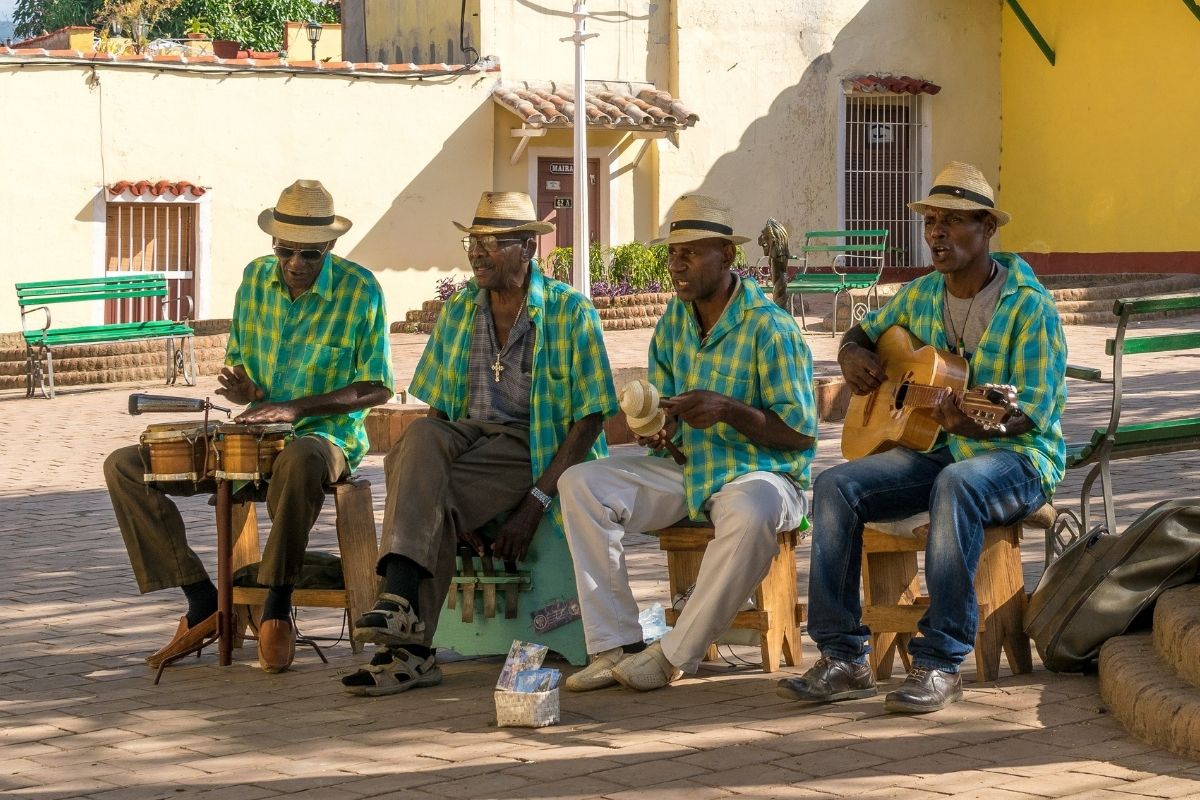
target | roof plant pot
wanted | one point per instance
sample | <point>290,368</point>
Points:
<point>224,48</point>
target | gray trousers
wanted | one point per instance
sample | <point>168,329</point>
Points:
<point>444,477</point>
<point>153,529</point>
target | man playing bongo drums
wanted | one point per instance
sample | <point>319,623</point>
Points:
<point>308,345</point>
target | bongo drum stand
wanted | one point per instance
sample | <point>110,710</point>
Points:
<point>226,618</point>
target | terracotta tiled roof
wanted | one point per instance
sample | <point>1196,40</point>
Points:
<point>158,188</point>
<point>15,54</point>
<point>890,83</point>
<point>610,104</point>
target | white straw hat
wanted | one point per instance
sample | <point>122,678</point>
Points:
<point>696,216</point>
<point>505,212</point>
<point>961,186</point>
<point>304,214</point>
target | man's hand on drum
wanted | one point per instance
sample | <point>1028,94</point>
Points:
<point>270,412</point>
<point>237,387</point>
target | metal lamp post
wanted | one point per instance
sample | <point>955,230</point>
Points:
<point>313,30</point>
<point>581,245</point>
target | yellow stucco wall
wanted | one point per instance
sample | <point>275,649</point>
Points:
<point>418,31</point>
<point>1099,149</point>
<point>765,78</point>
<point>402,159</point>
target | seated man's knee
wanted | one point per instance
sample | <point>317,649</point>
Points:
<point>754,504</point>
<point>418,438</point>
<point>124,462</point>
<point>575,482</point>
<point>302,458</point>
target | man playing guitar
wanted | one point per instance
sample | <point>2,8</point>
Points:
<point>990,309</point>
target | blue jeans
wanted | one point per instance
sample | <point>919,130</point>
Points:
<point>963,498</point>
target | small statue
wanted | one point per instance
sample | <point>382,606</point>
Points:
<point>774,242</point>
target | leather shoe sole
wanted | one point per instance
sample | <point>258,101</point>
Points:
<point>276,645</point>
<point>185,639</point>
<point>790,689</point>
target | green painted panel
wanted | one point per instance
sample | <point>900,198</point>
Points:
<point>1156,303</point>
<point>1156,344</point>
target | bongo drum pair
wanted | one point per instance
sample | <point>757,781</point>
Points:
<point>193,451</point>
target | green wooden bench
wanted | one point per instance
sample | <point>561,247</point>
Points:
<point>40,342</point>
<point>1122,439</point>
<point>836,278</point>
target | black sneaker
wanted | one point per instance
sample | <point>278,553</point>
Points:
<point>828,681</point>
<point>925,690</point>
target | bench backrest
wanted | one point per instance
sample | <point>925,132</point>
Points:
<point>870,245</point>
<point>1129,307</point>
<point>115,287</point>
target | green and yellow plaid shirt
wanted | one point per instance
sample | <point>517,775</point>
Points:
<point>571,376</point>
<point>333,335</point>
<point>1022,346</point>
<point>756,354</point>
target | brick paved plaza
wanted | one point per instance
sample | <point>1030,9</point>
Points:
<point>79,716</point>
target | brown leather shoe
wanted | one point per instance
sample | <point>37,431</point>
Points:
<point>276,645</point>
<point>185,639</point>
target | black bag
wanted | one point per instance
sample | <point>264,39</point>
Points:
<point>320,570</point>
<point>1102,582</point>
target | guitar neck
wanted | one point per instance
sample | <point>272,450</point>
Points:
<point>918,395</point>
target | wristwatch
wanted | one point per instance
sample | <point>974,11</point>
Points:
<point>541,497</point>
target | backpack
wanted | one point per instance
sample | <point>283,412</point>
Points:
<point>1102,582</point>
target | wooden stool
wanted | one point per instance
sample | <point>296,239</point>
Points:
<point>776,614</point>
<point>358,545</point>
<point>893,604</point>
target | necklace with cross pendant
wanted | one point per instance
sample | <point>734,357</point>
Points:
<point>497,368</point>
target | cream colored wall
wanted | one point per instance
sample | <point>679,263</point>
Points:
<point>402,158</point>
<point>765,78</point>
<point>1099,149</point>
<point>418,31</point>
<point>525,35</point>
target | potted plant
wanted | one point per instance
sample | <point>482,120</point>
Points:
<point>197,28</point>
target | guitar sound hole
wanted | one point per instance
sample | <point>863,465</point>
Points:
<point>898,398</point>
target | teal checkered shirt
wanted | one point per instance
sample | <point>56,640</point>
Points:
<point>333,335</point>
<point>1023,346</point>
<point>756,354</point>
<point>571,376</point>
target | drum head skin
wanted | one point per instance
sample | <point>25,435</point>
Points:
<point>177,431</point>
<point>260,429</point>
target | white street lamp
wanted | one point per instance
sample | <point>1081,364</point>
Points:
<point>581,245</point>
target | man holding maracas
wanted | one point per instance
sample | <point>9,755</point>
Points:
<point>736,383</point>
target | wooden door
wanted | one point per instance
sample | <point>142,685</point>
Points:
<point>555,201</point>
<point>151,237</point>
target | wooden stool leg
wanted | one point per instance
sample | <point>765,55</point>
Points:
<point>776,595</point>
<point>889,578</point>
<point>682,568</point>
<point>358,543</point>
<point>1000,589</point>
<point>246,550</point>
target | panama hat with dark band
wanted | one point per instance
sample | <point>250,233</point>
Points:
<point>304,214</point>
<point>504,212</point>
<point>695,217</point>
<point>963,187</point>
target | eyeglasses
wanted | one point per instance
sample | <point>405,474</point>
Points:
<point>311,256</point>
<point>489,243</point>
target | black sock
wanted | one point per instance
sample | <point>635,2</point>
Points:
<point>419,650</point>
<point>202,601</point>
<point>636,647</point>
<point>278,604</point>
<point>401,577</point>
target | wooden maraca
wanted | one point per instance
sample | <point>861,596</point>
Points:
<point>639,400</point>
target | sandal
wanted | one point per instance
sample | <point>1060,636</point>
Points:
<point>391,671</point>
<point>384,626</point>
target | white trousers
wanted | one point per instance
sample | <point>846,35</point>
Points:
<point>603,499</point>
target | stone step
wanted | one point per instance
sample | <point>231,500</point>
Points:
<point>1176,633</point>
<point>1148,697</point>
<point>1151,681</point>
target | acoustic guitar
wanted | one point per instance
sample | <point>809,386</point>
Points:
<point>897,413</point>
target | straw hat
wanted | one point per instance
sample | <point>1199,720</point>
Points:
<point>961,186</point>
<point>505,212</point>
<point>696,216</point>
<point>304,214</point>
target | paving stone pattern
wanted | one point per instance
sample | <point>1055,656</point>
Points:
<point>79,717</point>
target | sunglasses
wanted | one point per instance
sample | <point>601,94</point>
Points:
<point>489,243</point>
<point>311,256</point>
